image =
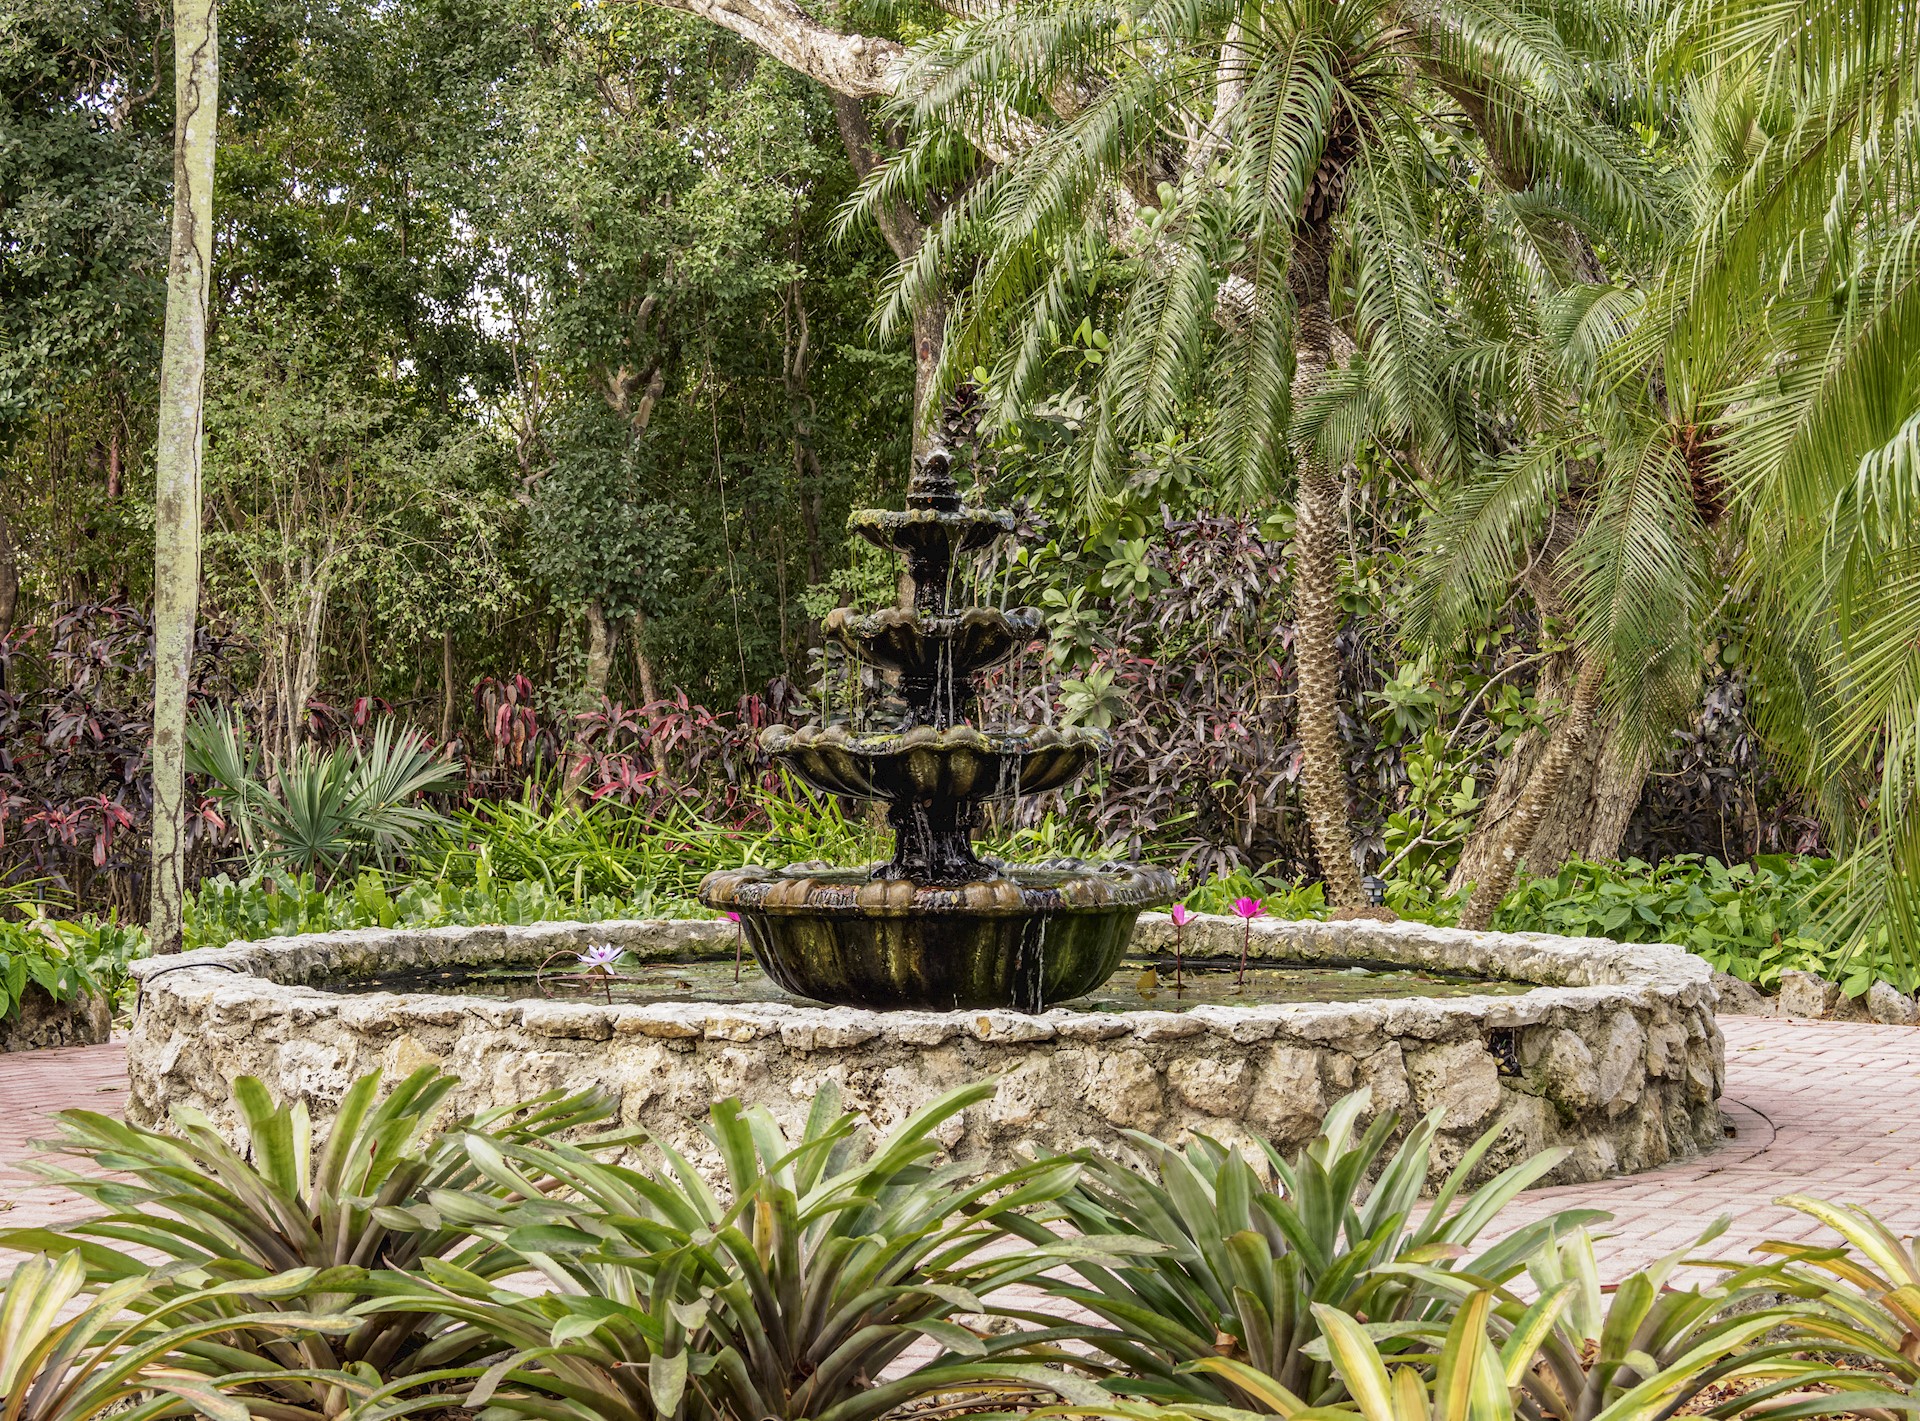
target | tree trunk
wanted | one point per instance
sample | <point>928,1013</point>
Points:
<point>649,693</point>
<point>600,640</point>
<point>1538,805</point>
<point>178,450</point>
<point>1317,543</point>
<point>1588,814</point>
<point>599,652</point>
<point>446,686</point>
<point>9,575</point>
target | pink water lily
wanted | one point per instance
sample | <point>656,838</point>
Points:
<point>731,916</point>
<point>1178,912</point>
<point>1248,909</point>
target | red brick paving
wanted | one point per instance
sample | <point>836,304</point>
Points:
<point>1824,1108</point>
<point>33,1086</point>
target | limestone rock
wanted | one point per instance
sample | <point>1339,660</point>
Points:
<point>1803,994</point>
<point>1887,1003</point>
<point>1565,1073</point>
<point>38,1020</point>
<point>1213,1087</point>
<point>1124,1089</point>
<point>1740,998</point>
<point>1459,1078</point>
<point>1288,1099</point>
<point>1620,1062</point>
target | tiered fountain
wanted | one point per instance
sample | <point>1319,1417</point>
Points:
<point>937,925</point>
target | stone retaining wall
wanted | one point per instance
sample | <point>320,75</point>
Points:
<point>39,1021</point>
<point>1615,1055</point>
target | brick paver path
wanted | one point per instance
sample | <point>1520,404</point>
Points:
<point>1825,1108</point>
<point>33,1086</point>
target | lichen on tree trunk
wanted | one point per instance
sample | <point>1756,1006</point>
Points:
<point>178,451</point>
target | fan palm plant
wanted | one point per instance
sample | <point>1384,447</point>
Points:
<point>325,812</point>
<point>1281,281</point>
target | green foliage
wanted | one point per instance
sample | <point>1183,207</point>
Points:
<point>63,957</point>
<point>324,812</point>
<point>369,1274</point>
<point>1278,899</point>
<point>1754,920</point>
<point>125,1352</point>
<point>784,1295</point>
<point>1224,1312</point>
<point>240,1215</point>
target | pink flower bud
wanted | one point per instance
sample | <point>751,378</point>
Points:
<point>732,917</point>
<point>1180,915</point>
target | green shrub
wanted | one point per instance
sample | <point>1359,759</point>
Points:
<point>1754,920</point>
<point>65,958</point>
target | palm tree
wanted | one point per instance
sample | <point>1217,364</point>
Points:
<point>1802,302</point>
<point>1298,153</point>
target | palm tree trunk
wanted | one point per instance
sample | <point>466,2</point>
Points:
<point>1316,587</point>
<point>1542,790</point>
<point>178,450</point>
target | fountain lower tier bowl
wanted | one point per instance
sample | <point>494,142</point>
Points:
<point>1026,938</point>
<point>924,764</point>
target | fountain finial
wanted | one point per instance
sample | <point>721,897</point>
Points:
<point>932,485</point>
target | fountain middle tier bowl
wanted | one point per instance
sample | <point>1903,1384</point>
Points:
<point>961,763</point>
<point>1026,938</point>
<point>924,646</point>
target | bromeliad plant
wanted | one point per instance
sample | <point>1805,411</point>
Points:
<point>1222,1311</point>
<point>787,1296</point>
<point>126,1353</point>
<point>1571,1350</point>
<point>219,1214</point>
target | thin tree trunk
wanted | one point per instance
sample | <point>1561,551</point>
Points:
<point>1543,788</point>
<point>178,450</point>
<point>600,640</point>
<point>649,693</point>
<point>599,652</point>
<point>446,685</point>
<point>1317,542</point>
<point>9,575</point>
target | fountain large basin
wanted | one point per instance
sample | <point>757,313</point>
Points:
<point>1608,1050</point>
